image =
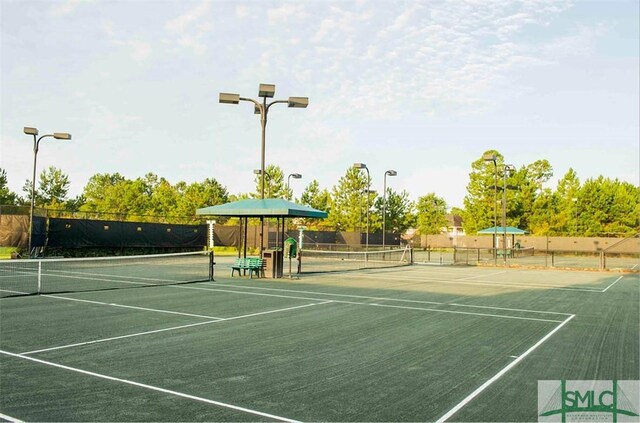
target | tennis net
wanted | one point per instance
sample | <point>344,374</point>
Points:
<point>23,277</point>
<point>314,261</point>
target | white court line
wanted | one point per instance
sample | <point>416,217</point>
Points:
<point>14,292</point>
<point>481,276</point>
<point>614,282</point>
<point>319,293</point>
<point>9,418</point>
<point>461,312</point>
<point>498,375</point>
<point>384,298</point>
<point>459,281</point>
<point>151,387</point>
<point>132,307</point>
<point>131,335</point>
<point>377,305</point>
<point>90,275</point>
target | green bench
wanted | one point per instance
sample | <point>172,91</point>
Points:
<point>252,264</point>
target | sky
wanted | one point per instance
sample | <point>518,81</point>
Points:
<point>420,87</point>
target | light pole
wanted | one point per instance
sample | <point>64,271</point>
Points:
<point>262,108</point>
<point>493,158</point>
<point>364,166</point>
<point>575,212</point>
<point>384,203</point>
<point>36,145</point>
<point>507,168</point>
<point>294,176</point>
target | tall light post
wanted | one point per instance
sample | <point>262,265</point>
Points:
<point>574,200</point>
<point>384,203</point>
<point>493,158</point>
<point>507,168</point>
<point>364,166</point>
<point>36,146</point>
<point>294,176</point>
<point>262,108</point>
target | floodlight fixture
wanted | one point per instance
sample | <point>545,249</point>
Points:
<point>489,157</point>
<point>267,90</point>
<point>61,136</point>
<point>30,131</point>
<point>229,98</point>
<point>294,176</point>
<point>298,102</point>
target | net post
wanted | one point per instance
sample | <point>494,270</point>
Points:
<point>39,276</point>
<point>211,265</point>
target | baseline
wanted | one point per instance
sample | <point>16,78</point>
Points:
<point>614,282</point>
<point>150,387</point>
<point>498,375</point>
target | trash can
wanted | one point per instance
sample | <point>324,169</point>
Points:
<point>272,263</point>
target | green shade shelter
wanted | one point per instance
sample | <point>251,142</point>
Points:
<point>510,230</point>
<point>277,208</point>
<point>500,232</point>
<point>268,207</point>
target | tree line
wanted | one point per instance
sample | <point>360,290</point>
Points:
<point>596,207</point>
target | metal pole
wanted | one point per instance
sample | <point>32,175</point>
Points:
<point>263,124</point>
<point>36,142</point>
<point>504,216</point>
<point>495,212</point>
<point>384,209</point>
<point>368,192</point>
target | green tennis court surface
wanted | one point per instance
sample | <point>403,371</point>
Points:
<point>414,343</point>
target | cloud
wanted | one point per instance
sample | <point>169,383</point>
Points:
<point>63,8</point>
<point>139,50</point>
<point>285,14</point>
<point>187,30</point>
<point>184,21</point>
<point>429,57</point>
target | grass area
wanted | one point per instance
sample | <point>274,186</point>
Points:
<point>233,251</point>
<point>405,344</point>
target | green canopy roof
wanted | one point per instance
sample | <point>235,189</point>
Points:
<point>500,230</point>
<point>269,207</point>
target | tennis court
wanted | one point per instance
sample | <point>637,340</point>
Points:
<point>409,343</point>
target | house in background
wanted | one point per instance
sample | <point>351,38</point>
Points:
<point>454,226</point>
